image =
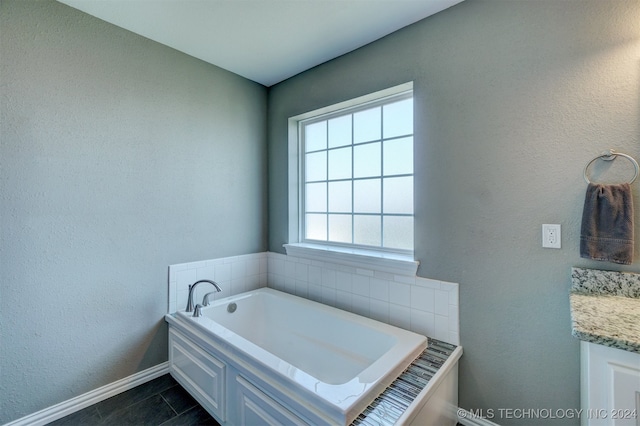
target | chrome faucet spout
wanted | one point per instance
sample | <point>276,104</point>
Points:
<point>192,287</point>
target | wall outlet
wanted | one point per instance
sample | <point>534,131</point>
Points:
<point>551,236</point>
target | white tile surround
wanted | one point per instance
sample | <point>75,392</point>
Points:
<point>235,275</point>
<point>418,304</point>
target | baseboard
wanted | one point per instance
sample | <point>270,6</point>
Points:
<point>467,418</point>
<point>72,405</point>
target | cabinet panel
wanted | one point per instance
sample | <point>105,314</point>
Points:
<point>201,372</point>
<point>625,391</point>
<point>256,408</point>
<point>610,386</point>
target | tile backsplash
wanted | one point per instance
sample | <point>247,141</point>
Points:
<point>235,275</point>
<point>418,304</point>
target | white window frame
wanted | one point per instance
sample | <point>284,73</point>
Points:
<point>396,262</point>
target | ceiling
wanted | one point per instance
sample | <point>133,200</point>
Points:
<point>266,41</point>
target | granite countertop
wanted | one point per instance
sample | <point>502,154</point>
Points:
<point>605,308</point>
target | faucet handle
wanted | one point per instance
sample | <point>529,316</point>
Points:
<point>205,299</point>
<point>189,307</point>
<point>197,312</point>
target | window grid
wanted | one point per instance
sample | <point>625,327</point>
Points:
<point>382,140</point>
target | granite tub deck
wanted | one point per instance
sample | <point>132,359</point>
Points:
<point>605,308</point>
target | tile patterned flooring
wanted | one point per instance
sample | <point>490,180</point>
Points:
<point>161,401</point>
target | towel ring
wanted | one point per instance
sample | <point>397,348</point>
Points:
<point>610,155</point>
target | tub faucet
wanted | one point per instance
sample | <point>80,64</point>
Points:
<point>192,287</point>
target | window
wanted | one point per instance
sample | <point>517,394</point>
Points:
<point>356,173</point>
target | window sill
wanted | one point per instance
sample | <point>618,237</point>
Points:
<point>392,263</point>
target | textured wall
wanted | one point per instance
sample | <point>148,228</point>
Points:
<point>118,157</point>
<point>512,99</point>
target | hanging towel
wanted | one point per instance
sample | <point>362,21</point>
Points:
<point>607,223</point>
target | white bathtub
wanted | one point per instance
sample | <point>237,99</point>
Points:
<point>318,363</point>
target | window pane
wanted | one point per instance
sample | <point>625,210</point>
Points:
<point>315,136</point>
<point>398,118</point>
<point>366,160</point>
<point>316,197</point>
<point>340,197</point>
<point>340,131</point>
<point>398,232</point>
<point>357,172</point>
<point>316,166</point>
<point>366,230</point>
<point>340,163</point>
<point>366,125</point>
<point>398,195</point>
<point>398,156</point>
<point>340,228</point>
<point>366,196</point>
<point>316,227</point>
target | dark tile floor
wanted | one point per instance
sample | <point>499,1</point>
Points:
<point>161,401</point>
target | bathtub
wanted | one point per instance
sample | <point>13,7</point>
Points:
<point>270,357</point>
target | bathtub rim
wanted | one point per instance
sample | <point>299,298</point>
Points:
<point>235,347</point>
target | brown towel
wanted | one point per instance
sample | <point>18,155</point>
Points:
<point>607,223</point>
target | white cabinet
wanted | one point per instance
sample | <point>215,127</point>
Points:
<point>234,396</point>
<point>610,386</point>
<point>200,373</point>
<point>257,408</point>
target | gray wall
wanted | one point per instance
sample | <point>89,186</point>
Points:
<point>512,99</point>
<point>118,157</point>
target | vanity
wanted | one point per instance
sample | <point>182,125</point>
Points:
<point>605,316</point>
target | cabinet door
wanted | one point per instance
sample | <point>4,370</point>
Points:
<point>625,393</point>
<point>610,386</point>
<point>257,408</point>
<point>200,373</point>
